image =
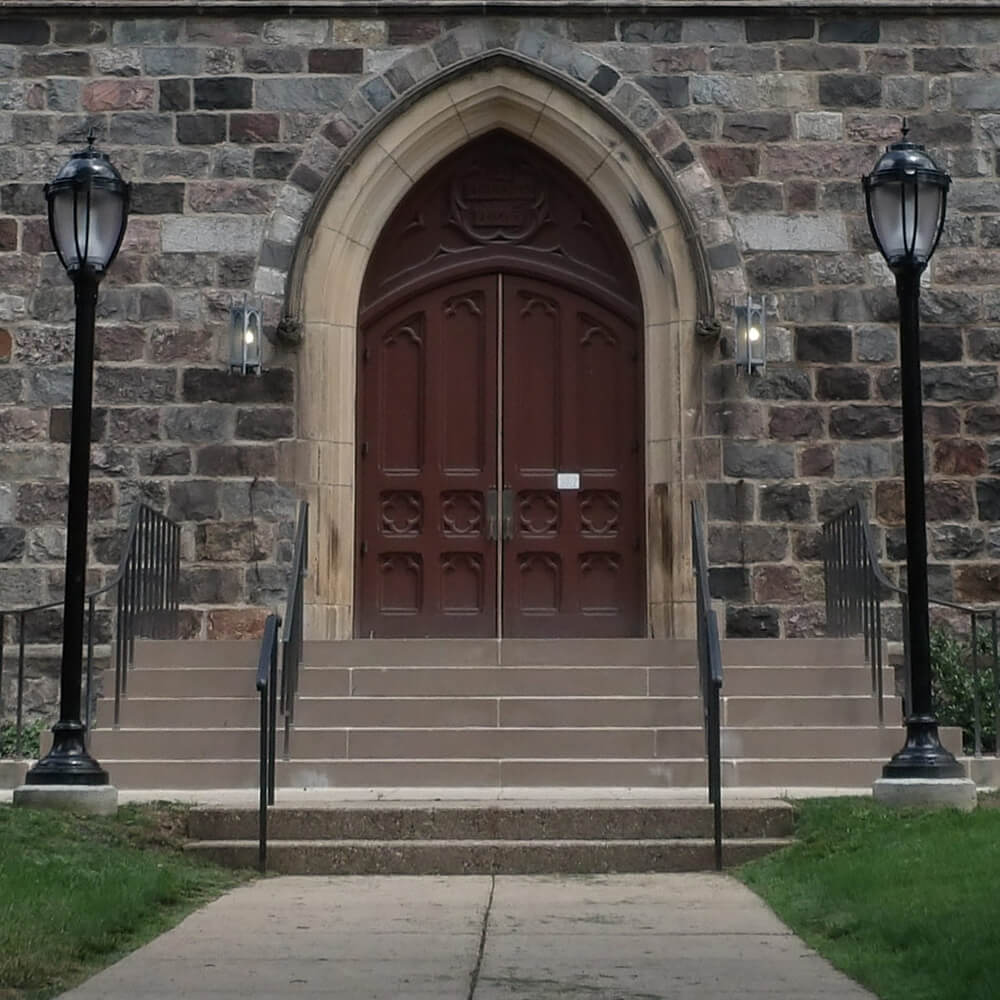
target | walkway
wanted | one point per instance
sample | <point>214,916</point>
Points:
<point>607,937</point>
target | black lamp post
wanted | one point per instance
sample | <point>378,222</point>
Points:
<point>88,212</point>
<point>905,196</point>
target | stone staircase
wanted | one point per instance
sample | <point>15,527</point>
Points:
<point>489,715</point>
<point>502,838</point>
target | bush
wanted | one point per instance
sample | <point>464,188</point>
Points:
<point>954,684</point>
<point>31,734</point>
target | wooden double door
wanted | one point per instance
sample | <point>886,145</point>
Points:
<point>500,467</point>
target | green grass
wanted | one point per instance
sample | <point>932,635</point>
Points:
<point>907,903</point>
<point>77,892</point>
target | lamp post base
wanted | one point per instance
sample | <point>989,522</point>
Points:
<point>95,800</point>
<point>68,762</point>
<point>922,755</point>
<point>928,793</point>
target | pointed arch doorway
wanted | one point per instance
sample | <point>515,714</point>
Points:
<point>500,409</point>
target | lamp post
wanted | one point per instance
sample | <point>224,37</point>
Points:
<point>905,196</point>
<point>88,212</point>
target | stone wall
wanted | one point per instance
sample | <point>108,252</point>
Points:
<point>228,127</point>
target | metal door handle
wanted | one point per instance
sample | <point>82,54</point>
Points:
<point>508,514</point>
<point>491,514</point>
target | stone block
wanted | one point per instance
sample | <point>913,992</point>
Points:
<point>254,128</point>
<point>265,423</point>
<point>336,61</point>
<point>236,623</point>
<point>956,541</point>
<point>667,91</point>
<point>824,344</point>
<point>235,234</point>
<point>816,460</point>
<point>868,460</point>
<point>753,460</point>
<point>165,460</point>
<point>790,423</point>
<point>201,129</point>
<point>779,29</point>
<point>959,457</point>
<point>730,501</point>
<point>752,623</point>
<point>273,59</point>
<point>827,126</point>
<point>224,93</point>
<point>926,793</point>
<point>236,460</point>
<point>812,58</point>
<point>741,59</point>
<point>785,502</point>
<point>855,30</point>
<point>198,424</point>
<point>12,543</point>
<point>729,583</point>
<point>850,90</point>
<point>133,423</point>
<point>136,128</point>
<point>975,93</point>
<point>301,94</point>
<point>731,163</point>
<point>904,92</point>
<point>171,60</point>
<point>210,585</point>
<point>865,421</point>
<point>194,500</point>
<point>200,385</point>
<point>791,233</point>
<point>240,541</point>
<point>90,800</point>
<point>26,31</point>
<point>156,198</point>
<point>953,383</point>
<point>843,383</point>
<point>651,32</point>
<point>782,383</point>
<point>781,584</point>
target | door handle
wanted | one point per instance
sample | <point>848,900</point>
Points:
<point>491,514</point>
<point>508,514</point>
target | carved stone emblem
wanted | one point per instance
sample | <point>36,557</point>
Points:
<point>498,202</point>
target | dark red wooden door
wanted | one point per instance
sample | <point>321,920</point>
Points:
<point>572,563</point>
<point>556,527</point>
<point>428,449</point>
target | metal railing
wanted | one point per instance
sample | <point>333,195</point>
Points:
<point>267,675</point>
<point>144,604</point>
<point>709,676</point>
<point>267,685</point>
<point>856,587</point>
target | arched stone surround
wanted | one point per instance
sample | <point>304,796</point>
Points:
<point>339,227</point>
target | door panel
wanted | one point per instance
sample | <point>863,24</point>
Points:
<point>428,401</point>
<point>572,392</point>
<point>435,508</point>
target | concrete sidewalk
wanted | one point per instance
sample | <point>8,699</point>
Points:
<point>606,937</point>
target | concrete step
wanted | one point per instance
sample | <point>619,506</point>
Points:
<point>341,743</point>
<point>829,710</point>
<point>500,857</point>
<point>507,820</point>
<point>187,682</point>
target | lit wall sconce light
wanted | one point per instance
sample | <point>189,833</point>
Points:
<point>751,335</point>
<point>244,342</point>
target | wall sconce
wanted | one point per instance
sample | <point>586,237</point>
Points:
<point>751,335</point>
<point>244,339</point>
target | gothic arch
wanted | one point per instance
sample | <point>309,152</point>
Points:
<point>341,229</point>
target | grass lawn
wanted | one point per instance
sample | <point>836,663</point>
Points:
<point>76,893</point>
<point>906,903</point>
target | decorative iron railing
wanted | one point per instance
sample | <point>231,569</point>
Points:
<point>267,685</point>
<point>709,675</point>
<point>140,600</point>
<point>856,587</point>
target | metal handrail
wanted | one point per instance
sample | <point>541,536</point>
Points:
<point>709,676</point>
<point>267,675</point>
<point>855,588</point>
<point>291,639</point>
<point>146,604</point>
<point>267,685</point>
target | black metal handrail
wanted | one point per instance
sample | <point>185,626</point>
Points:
<point>267,685</point>
<point>709,676</point>
<point>145,605</point>
<point>267,675</point>
<point>856,586</point>
<point>291,639</point>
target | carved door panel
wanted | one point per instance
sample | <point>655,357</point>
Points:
<point>572,563</point>
<point>428,460</point>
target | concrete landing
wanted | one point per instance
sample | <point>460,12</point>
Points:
<point>627,937</point>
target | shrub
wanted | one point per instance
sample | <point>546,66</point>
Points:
<point>954,684</point>
<point>31,734</point>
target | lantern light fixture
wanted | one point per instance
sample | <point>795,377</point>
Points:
<point>751,335</point>
<point>245,339</point>
<point>905,197</point>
